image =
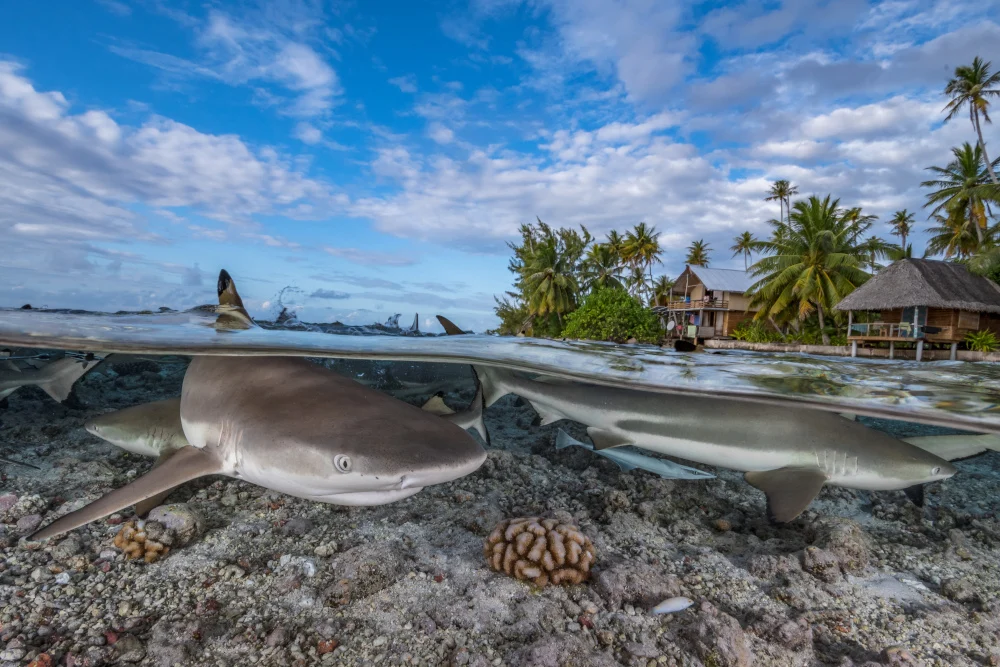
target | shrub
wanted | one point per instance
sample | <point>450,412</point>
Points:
<point>753,331</point>
<point>612,314</point>
<point>981,341</point>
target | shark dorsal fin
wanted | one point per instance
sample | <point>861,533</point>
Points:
<point>436,405</point>
<point>789,490</point>
<point>450,327</point>
<point>228,296</point>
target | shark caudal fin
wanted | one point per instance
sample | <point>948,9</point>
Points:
<point>954,447</point>
<point>490,378</point>
<point>186,464</point>
<point>57,379</point>
<point>471,417</point>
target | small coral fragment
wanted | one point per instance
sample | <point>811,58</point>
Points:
<point>542,551</point>
<point>148,540</point>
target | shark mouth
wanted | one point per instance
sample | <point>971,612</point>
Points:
<point>367,498</point>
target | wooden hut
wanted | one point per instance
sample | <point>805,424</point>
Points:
<point>708,303</point>
<point>922,300</point>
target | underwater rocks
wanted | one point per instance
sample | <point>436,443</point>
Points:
<point>183,522</point>
<point>634,583</point>
<point>718,639</point>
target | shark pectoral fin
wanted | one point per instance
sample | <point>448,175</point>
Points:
<point>63,374</point>
<point>472,417</point>
<point>916,494</point>
<point>625,466</point>
<point>546,415</point>
<point>954,447</point>
<point>789,490</point>
<point>143,507</point>
<point>564,440</point>
<point>606,439</point>
<point>436,405</point>
<point>186,464</point>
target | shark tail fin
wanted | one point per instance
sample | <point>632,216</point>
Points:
<point>450,327</point>
<point>491,381</point>
<point>186,464</point>
<point>564,440</point>
<point>62,374</point>
<point>955,447</point>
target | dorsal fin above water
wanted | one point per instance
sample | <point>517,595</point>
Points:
<point>450,327</point>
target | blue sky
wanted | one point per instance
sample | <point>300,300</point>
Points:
<point>374,158</point>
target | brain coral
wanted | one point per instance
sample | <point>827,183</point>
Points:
<point>540,550</point>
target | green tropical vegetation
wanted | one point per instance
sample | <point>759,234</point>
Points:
<point>568,283</point>
<point>981,341</point>
<point>613,314</point>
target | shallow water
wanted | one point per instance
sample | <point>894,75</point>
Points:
<point>953,394</point>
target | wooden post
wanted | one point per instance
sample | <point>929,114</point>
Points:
<point>854,348</point>
<point>892,349</point>
<point>920,349</point>
<point>954,352</point>
<point>850,321</point>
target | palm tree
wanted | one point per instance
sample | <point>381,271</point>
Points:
<point>642,249</point>
<point>859,223</point>
<point>698,253</point>
<point>744,244</point>
<point>601,268</point>
<point>953,235</point>
<point>811,269</point>
<point>902,225</point>
<point>874,248</point>
<point>963,184</point>
<point>661,291</point>
<point>782,190</point>
<point>551,282</point>
<point>972,86</point>
<point>616,243</point>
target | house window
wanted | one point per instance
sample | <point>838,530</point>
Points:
<point>921,312</point>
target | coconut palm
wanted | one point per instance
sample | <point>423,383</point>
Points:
<point>782,190</point>
<point>642,249</point>
<point>902,225</point>
<point>955,235</point>
<point>661,291</point>
<point>616,243</point>
<point>551,282</point>
<point>744,244</point>
<point>973,86</point>
<point>963,184</point>
<point>698,253</point>
<point>873,249</point>
<point>601,268</point>
<point>859,222</point>
<point>811,269</point>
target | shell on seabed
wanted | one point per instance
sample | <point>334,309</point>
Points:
<point>672,605</point>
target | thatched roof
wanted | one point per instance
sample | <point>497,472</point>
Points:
<point>925,282</point>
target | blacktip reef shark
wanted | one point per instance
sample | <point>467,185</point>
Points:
<point>56,378</point>
<point>298,428</point>
<point>788,453</point>
<point>629,460</point>
<point>155,430</point>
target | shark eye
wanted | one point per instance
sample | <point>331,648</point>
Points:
<point>342,463</point>
<point>935,471</point>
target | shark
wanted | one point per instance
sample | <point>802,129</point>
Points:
<point>789,454</point>
<point>630,460</point>
<point>298,428</point>
<point>56,378</point>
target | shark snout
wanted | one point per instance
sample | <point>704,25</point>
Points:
<point>443,472</point>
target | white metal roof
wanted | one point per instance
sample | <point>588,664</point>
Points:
<point>723,280</point>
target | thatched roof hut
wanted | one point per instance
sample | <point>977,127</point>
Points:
<point>923,300</point>
<point>929,283</point>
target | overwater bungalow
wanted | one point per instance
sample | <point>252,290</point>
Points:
<point>708,303</point>
<point>922,301</point>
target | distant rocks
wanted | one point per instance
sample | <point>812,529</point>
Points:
<point>718,639</point>
<point>634,583</point>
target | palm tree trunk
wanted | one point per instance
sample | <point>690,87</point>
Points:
<point>822,325</point>
<point>904,245</point>
<point>982,147</point>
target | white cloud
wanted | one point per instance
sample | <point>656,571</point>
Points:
<point>407,84</point>
<point>440,133</point>
<point>308,133</point>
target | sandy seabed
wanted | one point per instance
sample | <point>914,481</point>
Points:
<point>859,579</point>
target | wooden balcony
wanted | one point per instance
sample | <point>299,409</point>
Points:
<point>885,331</point>
<point>713,304</point>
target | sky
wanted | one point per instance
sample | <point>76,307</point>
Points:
<point>355,160</point>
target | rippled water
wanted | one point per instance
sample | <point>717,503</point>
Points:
<point>955,394</point>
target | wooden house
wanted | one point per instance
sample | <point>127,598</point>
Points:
<point>922,301</point>
<point>708,303</point>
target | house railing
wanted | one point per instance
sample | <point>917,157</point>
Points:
<point>694,304</point>
<point>886,330</point>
